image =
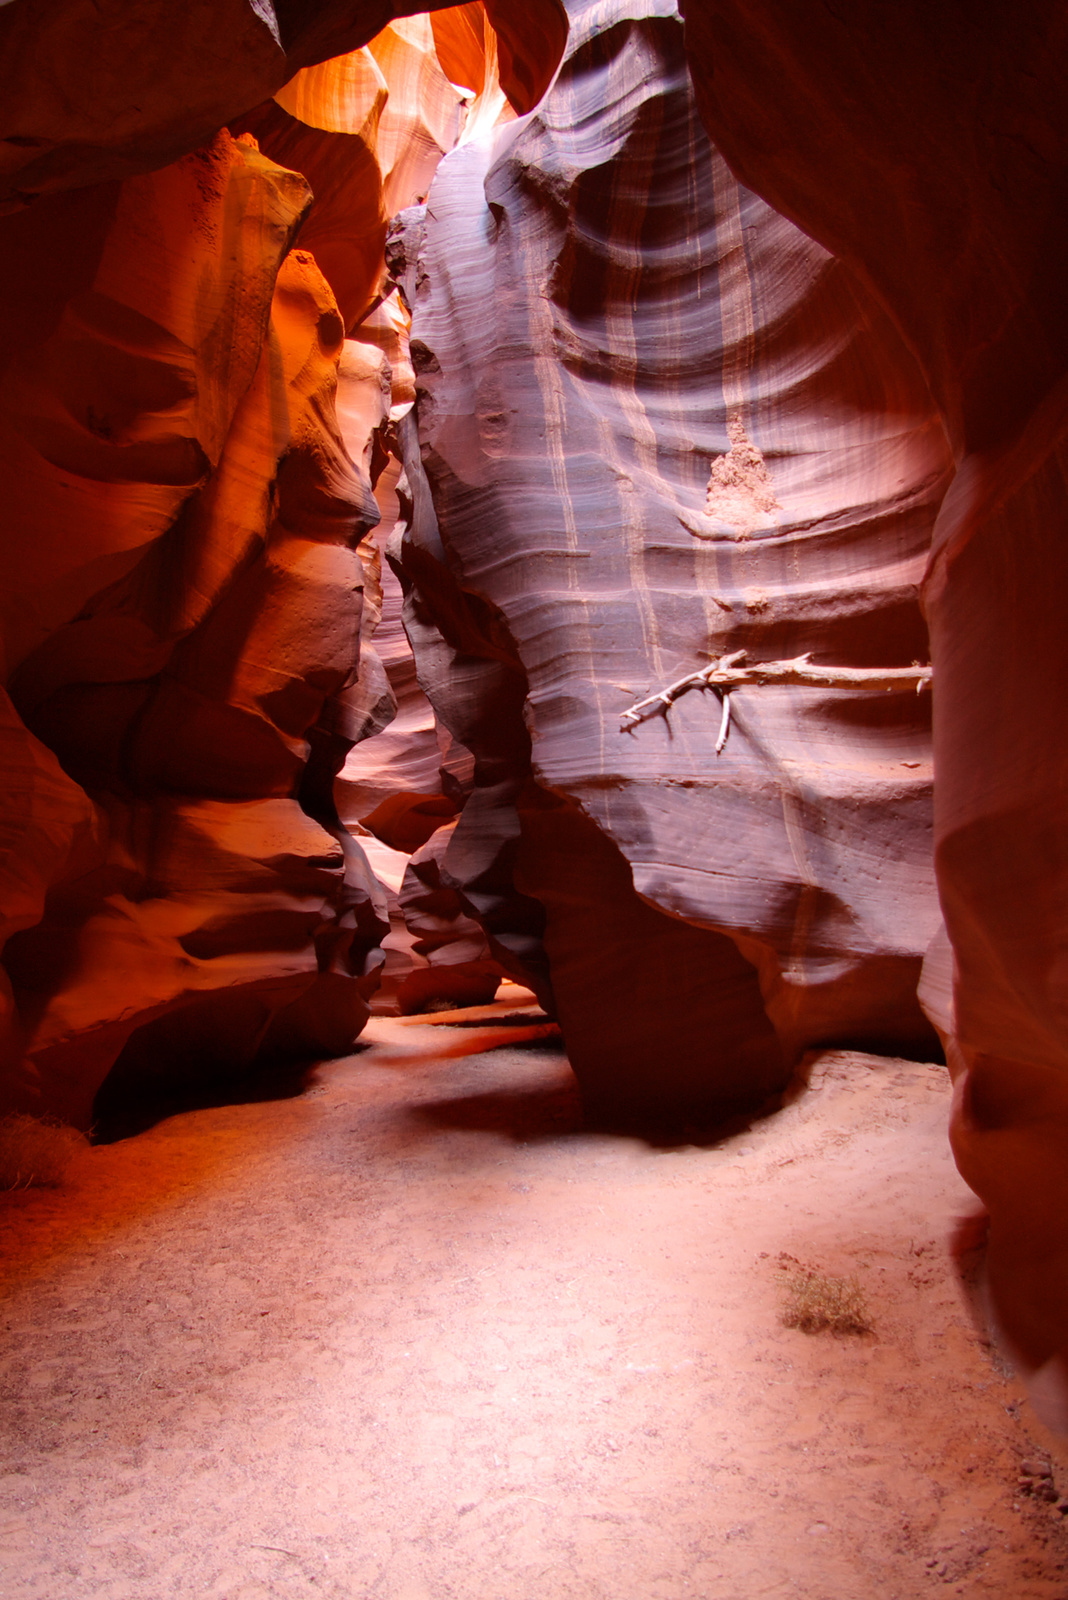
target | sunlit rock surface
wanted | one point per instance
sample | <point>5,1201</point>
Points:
<point>190,580</point>
<point>659,424</point>
<point>183,592</point>
<point>411,755</point>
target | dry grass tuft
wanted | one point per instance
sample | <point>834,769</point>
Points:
<point>818,1303</point>
<point>37,1154</point>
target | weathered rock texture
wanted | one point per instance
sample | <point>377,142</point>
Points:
<point>367,131</point>
<point>659,424</point>
<point>412,756</point>
<point>927,146</point>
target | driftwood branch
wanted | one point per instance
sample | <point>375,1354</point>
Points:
<point>732,672</point>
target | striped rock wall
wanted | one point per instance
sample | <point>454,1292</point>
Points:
<point>658,424</point>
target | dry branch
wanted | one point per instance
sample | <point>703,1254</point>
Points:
<point>732,672</point>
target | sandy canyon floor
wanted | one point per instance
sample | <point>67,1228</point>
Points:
<point>416,1334</point>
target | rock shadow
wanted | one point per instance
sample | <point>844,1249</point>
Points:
<point>123,1116</point>
<point>557,1112</point>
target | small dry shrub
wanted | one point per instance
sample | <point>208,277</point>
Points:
<point>818,1303</point>
<point>35,1153</point>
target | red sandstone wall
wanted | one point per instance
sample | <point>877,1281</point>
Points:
<point>182,589</point>
<point>927,146</point>
<point>90,95</point>
<point>189,582</point>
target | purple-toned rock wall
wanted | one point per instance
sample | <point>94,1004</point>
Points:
<point>658,425</point>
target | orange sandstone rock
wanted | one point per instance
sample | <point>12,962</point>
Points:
<point>108,427</point>
<point>200,633</point>
<point>368,129</point>
<point>90,95</point>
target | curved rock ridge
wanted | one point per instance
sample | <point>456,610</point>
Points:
<point>92,93</point>
<point>186,556</point>
<point>121,408</point>
<point>189,576</point>
<point>367,131</point>
<point>928,146</point>
<point>660,424</point>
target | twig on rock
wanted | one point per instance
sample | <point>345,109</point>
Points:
<point>724,723</point>
<point>731,672</point>
<point>694,680</point>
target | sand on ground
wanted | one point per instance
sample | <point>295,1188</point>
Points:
<point>416,1334</point>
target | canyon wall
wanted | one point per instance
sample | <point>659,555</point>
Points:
<point>189,577</point>
<point>927,147</point>
<point>659,425</point>
<point>183,582</point>
<point>93,93</point>
<point>656,426</point>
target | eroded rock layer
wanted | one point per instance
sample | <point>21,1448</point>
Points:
<point>658,425</point>
<point>183,587</point>
<point>189,581</point>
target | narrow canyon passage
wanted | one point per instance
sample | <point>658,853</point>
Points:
<point>415,1333</point>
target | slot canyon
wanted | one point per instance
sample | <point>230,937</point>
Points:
<point>534,806</point>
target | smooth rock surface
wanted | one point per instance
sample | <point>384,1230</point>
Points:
<point>659,424</point>
<point>189,584</point>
